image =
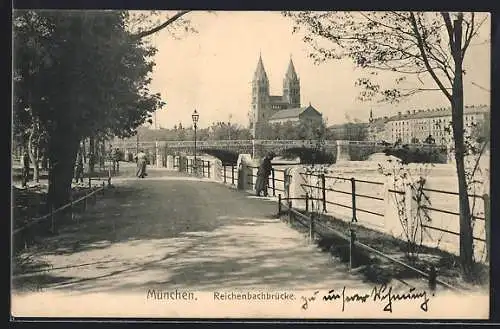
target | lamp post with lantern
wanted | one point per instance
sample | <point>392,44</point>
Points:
<point>195,116</point>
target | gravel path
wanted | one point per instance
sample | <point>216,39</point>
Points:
<point>168,233</point>
<point>184,233</point>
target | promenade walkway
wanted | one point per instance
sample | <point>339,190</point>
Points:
<point>169,233</point>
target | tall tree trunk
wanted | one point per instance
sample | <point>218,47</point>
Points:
<point>33,159</point>
<point>91,155</point>
<point>37,159</point>
<point>102,154</point>
<point>84,150</point>
<point>44,159</point>
<point>466,241</point>
<point>62,155</point>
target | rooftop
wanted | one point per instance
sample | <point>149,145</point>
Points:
<point>431,113</point>
<point>291,113</point>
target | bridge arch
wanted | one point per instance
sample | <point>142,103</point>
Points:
<point>228,150</point>
<point>226,156</point>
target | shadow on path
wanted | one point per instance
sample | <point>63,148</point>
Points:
<point>182,234</point>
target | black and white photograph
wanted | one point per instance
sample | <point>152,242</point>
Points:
<point>220,164</point>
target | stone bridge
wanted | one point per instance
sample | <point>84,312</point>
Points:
<point>228,150</point>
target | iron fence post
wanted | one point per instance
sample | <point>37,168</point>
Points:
<point>208,173</point>
<point>25,232</point>
<point>353,193</point>
<point>323,187</point>
<point>225,180</point>
<point>311,227</point>
<point>352,244</point>
<point>432,278</point>
<point>279,205</point>
<point>52,220</point>
<point>71,207</point>
<point>307,202</point>
<point>232,174</point>
<point>274,183</point>
<point>487,224</point>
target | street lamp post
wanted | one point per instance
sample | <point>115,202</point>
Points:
<point>253,147</point>
<point>195,117</point>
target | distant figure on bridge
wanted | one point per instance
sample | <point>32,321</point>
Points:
<point>141,159</point>
<point>263,174</point>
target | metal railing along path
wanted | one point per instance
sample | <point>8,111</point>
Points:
<point>353,242</point>
<point>52,215</point>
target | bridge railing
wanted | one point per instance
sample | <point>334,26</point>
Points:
<point>200,168</point>
<point>276,181</point>
<point>230,174</point>
<point>246,142</point>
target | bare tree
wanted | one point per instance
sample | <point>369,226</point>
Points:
<point>421,44</point>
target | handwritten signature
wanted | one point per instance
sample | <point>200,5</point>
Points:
<point>377,294</point>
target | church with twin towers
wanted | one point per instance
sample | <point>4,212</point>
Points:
<point>271,109</point>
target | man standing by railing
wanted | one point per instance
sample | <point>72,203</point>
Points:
<point>263,174</point>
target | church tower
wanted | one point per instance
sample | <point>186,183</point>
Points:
<point>260,97</point>
<point>291,87</point>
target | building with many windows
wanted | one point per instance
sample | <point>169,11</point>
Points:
<point>417,125</point>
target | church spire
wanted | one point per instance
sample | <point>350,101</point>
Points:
<point>291,86</point>
<point>260,72</point>
<point>290,73</point>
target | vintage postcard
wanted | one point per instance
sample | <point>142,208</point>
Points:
<point>251,164</point>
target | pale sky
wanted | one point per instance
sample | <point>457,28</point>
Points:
<point>212,71</point>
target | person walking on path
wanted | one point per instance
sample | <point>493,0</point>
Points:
<point>111,157</point>
<point>79,168</point>
<point>141,164</point>
<point>25,171</point>
<point>263,174</point>
<point>116,160</point>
